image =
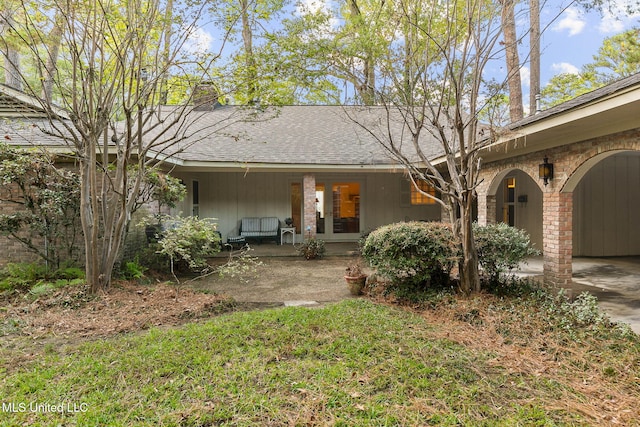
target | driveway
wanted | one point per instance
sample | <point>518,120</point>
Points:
<point>615,281</point>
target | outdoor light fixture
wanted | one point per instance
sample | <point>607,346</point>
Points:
<point>546,171</point>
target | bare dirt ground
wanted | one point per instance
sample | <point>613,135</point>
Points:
<point>283,280</point>
<point>131,306</point>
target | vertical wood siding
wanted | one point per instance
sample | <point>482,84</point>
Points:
<point>606,208</point>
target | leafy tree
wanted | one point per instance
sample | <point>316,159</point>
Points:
<point>566,86</point>
<point>618,57</point>
<point>190,240</point>
<point>267,64</point>
<point>115,59</point>
<point>47,200</point>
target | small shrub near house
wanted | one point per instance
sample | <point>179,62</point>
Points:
<point>189,241</point>
<point>413,256</point>
<point>311,248</point>
<point>501,248</point>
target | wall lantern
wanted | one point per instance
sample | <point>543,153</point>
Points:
<point>546,171</point>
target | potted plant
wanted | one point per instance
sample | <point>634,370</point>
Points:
<point>355,277</point>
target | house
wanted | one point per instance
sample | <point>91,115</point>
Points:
<point>309,163</point>
<point>315,165</point>
<point>590,206</point>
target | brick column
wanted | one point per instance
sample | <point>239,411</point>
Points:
<point>557,229</point>
<point>309,198</point>
<point>486,209</point>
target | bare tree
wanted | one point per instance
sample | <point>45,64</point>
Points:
<point>111,72</point>
<point>431,101</point>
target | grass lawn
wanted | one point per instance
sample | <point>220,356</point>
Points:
<point>351,363</point>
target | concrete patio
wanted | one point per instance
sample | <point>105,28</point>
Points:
<point>615,281</point>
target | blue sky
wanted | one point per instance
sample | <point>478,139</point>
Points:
<point>569,42</point>
<point>572,40</point>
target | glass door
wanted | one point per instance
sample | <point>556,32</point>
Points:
<point>346,208</point>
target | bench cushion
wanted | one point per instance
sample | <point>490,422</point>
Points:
<point>250,225</point>
<point>269,225</point>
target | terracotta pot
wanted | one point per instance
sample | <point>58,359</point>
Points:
<point>356,284</point>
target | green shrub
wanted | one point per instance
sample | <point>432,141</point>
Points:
<point>311,248</point>
<point>501,248</point>
<point>36,279</point>
<point>190,240</point>
<point>132,270</point>
<point>412,255</point>
<point>69,273</point>
<point>21,276</point>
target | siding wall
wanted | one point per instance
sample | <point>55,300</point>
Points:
<point>229,196</point>
<point>606,206</point>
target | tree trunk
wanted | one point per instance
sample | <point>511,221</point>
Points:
<point>534,91</point>
<point>513,61</point>
<point>48,77</point>
<point>250,61</point>
<point>88,221</point>
<point>469,274</point>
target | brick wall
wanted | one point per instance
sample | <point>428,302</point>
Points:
<point>10,249</point>
<point>570,163</point>
<point>309,200</point>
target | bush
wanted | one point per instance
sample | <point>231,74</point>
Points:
<point>412,255</point>
<point>132,270</point>
<point>37,279</point>
<point>311,249</point>
<point>190,240</point>
<point>501,248</point>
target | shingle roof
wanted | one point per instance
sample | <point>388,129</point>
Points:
<point>586,98</point>
<point>311,135</point>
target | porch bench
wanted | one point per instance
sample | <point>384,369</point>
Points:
<point>260,228</point>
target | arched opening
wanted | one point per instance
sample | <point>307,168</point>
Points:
<point>518,201</point>
<point>606,202</point>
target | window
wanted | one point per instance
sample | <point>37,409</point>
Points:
<point>195,198</point>
<point>417,198</point>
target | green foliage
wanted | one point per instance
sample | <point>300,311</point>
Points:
<point>501,248</point>
<point>618,57</point>
<point>311,248</point>
<point>132,270</point>
<point>162,188</point>
<point>190,240</point>
<point>48,201</point>
<point>414,256</point>
<point>36,279</point>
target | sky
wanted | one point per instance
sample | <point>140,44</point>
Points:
<point>569,42</point>
<point>574,38</point>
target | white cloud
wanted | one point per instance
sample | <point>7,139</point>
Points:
<point>571,21</point>
<point>313,6</point>
<point>615,19</point>
<point>565,68</point>
<point>525,76</point>
<point>199,41</point>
